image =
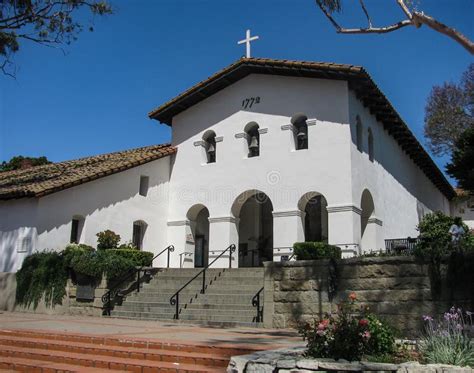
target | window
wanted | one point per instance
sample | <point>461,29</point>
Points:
<point>359,134</point>
<point>253,139</point>
<point>139,228</point>
<point>209,139</point>
<point>144,180</point>
<point>300,131</point>
<point>77,224</point>
<point>371,145</point>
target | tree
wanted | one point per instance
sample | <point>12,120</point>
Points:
<point>412,18</point>
<point>449,112</point>
<point>20,162</point>
<point>46,22</point>
<point>462,161</point>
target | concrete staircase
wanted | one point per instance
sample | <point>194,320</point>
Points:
<point>35,351</point>
<point>227,300</point>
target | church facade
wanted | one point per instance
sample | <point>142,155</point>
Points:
<point>264,153</point>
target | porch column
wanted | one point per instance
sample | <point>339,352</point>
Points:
<point>373,235</point>
<point>344,228</point>
<point>287,229</point>
<point>223,232</point>
<point>181,237</point>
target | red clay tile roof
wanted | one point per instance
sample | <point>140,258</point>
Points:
<point>42,180</point>
<point>358,79</point>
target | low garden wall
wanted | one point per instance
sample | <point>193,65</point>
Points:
<point>398,289</point>
<point>293,361</point>
<point>70,304</point>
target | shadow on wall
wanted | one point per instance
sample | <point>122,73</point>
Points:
<point>7,291</point>
<point>12,248</point>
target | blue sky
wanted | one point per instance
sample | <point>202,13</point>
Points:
<point>95,99</point>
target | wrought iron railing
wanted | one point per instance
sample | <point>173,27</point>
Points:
<point>257,303</point>
<point>174,300</point>
<point>402,246</point>
<point>108,299</point>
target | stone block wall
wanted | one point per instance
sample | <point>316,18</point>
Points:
<point>399,289</point>
<point>70,305</point>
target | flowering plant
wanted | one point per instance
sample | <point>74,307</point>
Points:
<point>348,334</point>
<point>447,340</point>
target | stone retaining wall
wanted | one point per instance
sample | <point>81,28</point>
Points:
<point>399,289</point>
<point>292,361</point>
<point>70,305</point>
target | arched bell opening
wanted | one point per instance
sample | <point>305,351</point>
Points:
<point>253,139</point>
<point>300,131</point>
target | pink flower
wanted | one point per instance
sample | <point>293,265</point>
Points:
<point>363,322</point>
<point>366,335</point>
<point>352,296</point>
<point>323,324</point>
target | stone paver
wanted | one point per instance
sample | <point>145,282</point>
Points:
<point>163,331</point>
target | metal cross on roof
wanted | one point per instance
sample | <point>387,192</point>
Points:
<point>247,41</point>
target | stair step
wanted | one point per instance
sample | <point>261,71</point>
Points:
<point>26,365</point>
<point>185,315</point>
<point>144,345</point>
<point>105,362</point>
<point>126,352</point>
<point>201,305</point>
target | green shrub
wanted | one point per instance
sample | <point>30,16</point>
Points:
<point>350,334</point>
<point>107,240</point>
<point>113,262</point>
<point>382,341</point>
<point>138,258</point>
<point>435,240</point>
<point>127,246</point>
<point>316,250</point>
<point>42,274</point>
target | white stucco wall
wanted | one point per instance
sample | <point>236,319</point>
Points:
<point>284,174</point>
<point>402,193</point>
<point>111,203</point>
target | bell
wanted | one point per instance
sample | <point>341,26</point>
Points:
<point>253,143</point>
<point>211,149</point>
<point>301,135</point>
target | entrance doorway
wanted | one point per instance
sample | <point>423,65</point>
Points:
<point>254,210</point>
<point>198,217</point>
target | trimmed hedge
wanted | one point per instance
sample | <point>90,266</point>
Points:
<point>113,262</point>
<point>139,258</point>
<point>316,250</point>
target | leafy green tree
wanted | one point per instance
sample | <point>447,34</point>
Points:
<point>107,240</point>
<point>449,113</point>
<point>435,236</point>
<point>461,166</point>
<point>20,162</point>
<point>46,22</point>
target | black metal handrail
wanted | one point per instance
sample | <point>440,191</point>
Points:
<point>117,287</point>
<point>256,303</point>
<point>174,300</point>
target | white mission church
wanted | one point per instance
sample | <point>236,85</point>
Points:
<point>264,153</point>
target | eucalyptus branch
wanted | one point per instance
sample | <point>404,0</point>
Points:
<point>416,19</point>
<point>366,13</point>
